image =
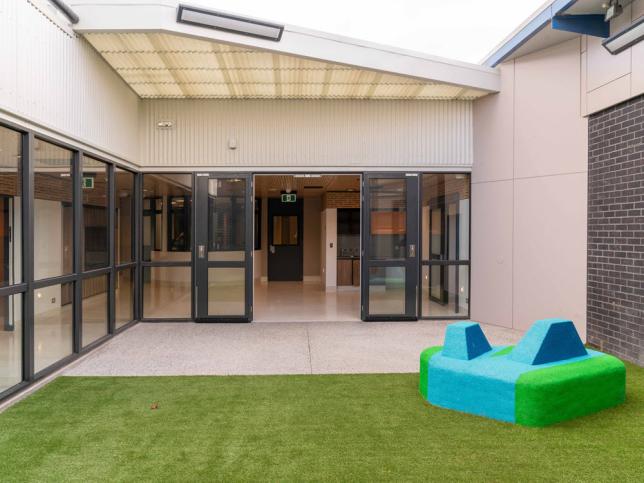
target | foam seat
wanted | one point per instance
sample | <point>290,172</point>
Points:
<point>548,377</point>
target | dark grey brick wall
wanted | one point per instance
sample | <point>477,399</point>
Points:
<point>616,230</point>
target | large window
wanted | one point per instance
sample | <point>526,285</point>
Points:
<point>66,290</point>
<point>53,324</point>
<point>53,211</point>
<point>167,250</point>
<point>95,213</point>
<point>445,221</point>
<point>124,219</point>
<point>11,322</point>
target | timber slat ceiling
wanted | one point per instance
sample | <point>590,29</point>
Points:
<point>167,66</point>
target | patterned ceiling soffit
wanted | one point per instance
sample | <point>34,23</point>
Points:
<point>163,66</point>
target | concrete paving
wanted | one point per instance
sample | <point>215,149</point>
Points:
<point>156,349</point>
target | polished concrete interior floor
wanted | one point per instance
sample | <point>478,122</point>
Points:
<point>304,302</point>
<point>186,348</point>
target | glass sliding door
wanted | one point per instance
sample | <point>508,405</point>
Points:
<point>390,241</point>
<point>223,247</point>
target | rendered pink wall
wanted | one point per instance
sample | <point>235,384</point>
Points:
<point>529,196</point>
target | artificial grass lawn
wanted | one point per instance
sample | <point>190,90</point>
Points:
<point>339,427</point>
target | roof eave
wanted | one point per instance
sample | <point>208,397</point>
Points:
<point>526,31</point>
<point>115,17</point>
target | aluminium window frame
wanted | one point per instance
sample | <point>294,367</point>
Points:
<point>447,263</point>
<point>28,285</point>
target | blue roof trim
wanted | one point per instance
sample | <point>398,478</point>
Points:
<point>527,32</point>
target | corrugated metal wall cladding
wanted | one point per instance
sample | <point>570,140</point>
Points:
<point>59,80</point>
<point>292,133</point>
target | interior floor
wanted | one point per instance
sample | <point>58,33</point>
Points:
<point>304,302</point>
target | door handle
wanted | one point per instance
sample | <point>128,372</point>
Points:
<point>271,248</point>
<point>411,251</point>
<point>201,251</point>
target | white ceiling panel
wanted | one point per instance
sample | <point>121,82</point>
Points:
<point>159,65</point>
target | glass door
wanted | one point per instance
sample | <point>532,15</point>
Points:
<point>224,247</point>
<point>389,246</point>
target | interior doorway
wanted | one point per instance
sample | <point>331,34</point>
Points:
<point>307,247</point>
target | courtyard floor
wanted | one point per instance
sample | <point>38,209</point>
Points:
<point>168,349</point>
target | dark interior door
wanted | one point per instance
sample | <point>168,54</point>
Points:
<point>285,237</point>
<point>224,247</point>
<point>390,245</point>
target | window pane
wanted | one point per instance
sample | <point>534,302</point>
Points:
<point>10,207</point>
<point>53,328</point>
<point>53,211</point>
<point>124,202</point>
<point>167,224</point>
<point>95,206</point>
<point>94,308</point>
<point>226,291</point>
<point>445,290</point>
<point>386,290</point>
<point>10,341</point>
<point>124,297</point>
<point>388,218</point>
<point>226,219</point>
<point>166,292</point>
<point>284,230</point>
<point>446,217</point>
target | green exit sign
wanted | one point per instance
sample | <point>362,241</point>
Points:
<point>88,182</point>
<point>289,197</point>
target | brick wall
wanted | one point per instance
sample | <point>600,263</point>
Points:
<point>616,230</point>
<point>341,199</point>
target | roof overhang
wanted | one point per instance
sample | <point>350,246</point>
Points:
<point>537,33</point>
<point>146,36</point>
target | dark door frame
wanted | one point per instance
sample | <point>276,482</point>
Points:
<point>200,248</point>
<point>411,262</point>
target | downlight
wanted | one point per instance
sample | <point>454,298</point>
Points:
<point>229,23</point>
<point>626,38</point>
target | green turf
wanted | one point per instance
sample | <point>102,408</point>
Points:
<point>295,428</point>
<point>553,394</point>
<point>425,356</point>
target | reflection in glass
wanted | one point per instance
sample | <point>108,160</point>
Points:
<point>226,219</point>
<point>124,188</point>
<point>166,292</point>
<point>445,290</point>
<point>53,211</point>
<point>124,297</point>
<point>10,207</point>
<point>10,341</point>
<point>95,205</point>
<point>226,291</point>
<point>284,230</point>
<point>167,224</point>
<point>446,216</point>
<point>94,308</point>
<point>387,290</point>
<point>388,218</point>
<point>53,327</point>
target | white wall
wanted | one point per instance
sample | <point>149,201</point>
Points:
<point>529,197</point>
<point>312,238</point>
<point>309,133</point>
<point>610,79</point>
<point>51,78</point>
<point>329,248</point>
